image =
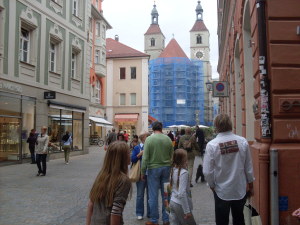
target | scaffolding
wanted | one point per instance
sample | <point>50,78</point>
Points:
<point>176,91</point>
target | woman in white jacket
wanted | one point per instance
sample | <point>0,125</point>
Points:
<point>41,150</point>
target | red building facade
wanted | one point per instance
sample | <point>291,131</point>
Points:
<point>259,56</point>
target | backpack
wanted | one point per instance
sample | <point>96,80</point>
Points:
<point>187,144</point>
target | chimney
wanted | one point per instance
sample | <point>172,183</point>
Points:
<point>117,37</point>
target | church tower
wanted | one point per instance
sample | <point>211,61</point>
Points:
<point>199,47</point>
<point>154,40</point>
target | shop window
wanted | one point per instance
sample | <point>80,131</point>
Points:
<point>28,115</point>
<point>122,99</point>
<point>10,106</point>
<point>122,73</point>
<point>133,72</point>
<point>152,42</point>
<point>97,56</point>
<point>199,39</point>
<point>133,98</point>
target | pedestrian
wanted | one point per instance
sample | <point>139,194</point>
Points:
<point>228,171</point>
<point>181,199</point>
<point>111,137</point>
<point>200,140</point>
<point>120,137</point>
<point>125,134</point>
<point>110,190</point>
<point>171,136</point>
<point>141,185</point>
<point>188,143</point>
<point>67,141</point>
<point>31,140</point>
<point>41,150</point>
<point>178,136</point>
<point>157,159</point>
<point>134,142</point>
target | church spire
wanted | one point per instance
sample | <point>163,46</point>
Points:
<point>154,15</point>
<point>199,11</point>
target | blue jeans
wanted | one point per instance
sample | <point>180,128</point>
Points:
<point>141,186</point>
<point>156,179</point>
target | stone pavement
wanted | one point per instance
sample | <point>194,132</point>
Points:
<point>60,198</point>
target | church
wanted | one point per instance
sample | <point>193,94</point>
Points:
<point>177,91</point>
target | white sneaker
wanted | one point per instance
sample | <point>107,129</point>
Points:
<point>139,217</point>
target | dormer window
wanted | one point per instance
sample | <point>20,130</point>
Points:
<point>152,42</point>
<point>199,39</point>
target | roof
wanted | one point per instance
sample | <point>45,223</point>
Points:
<point>154,29</point>
<point>173,49</point>
<point>199,26</point>
<point>115,49</point>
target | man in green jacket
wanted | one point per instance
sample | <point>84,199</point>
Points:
<point>157,160</point>
<point>192,150</point>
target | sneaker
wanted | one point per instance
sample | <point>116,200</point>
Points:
<point>191,185</point>
<point>38,174</point>
<point>139,217</point>
<point>43,175</point>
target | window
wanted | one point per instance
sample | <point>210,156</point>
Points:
<point>52,52</point>
<point>98,91</point>
<point>103,32</point>
<point>133,72</point>
<point>133,98</point>
<point>24,45</point>
<point>199,39</point>
<point>97,56</point>
<point>122,73</point>
<point>122,99</point>
<point>152,42</point>
<point>90,24</point>
<point>103,58</point>
<point>75,8</point>
<point>73,65</point>
<point>97,3</point>
<point>98,29</point>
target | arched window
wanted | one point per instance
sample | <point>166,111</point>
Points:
<point>98,91</point>
<point>152,42</point>
<point>199,39</point>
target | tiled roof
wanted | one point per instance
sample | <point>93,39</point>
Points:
<point>199,26</point>
<point>154,29</point>
<point>173,49</point>
<point>115,49</point>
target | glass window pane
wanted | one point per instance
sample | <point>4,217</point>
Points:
<point>66,114</point>
<point>10,106</point>
<point>133,98</point>
<point>122,99</point>
<point>77,115</point>
<point>28,113</point>
<point>77,135</point>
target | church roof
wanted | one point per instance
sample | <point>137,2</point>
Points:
<point>173,49</point>
<point>115,49</point>
<point>199,26</point>
<point>154,29</point>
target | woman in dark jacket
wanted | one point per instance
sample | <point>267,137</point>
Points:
<point>31,140</point>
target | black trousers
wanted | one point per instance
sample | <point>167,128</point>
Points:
<point>222,209</point>
<point>41,159</point>
<point>32,154</point>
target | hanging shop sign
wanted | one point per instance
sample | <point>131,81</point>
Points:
<point>220,89</point>
<point>49,95</point>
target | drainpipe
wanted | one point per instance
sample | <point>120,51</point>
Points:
<point>265,109</point>
<point>274,187</point>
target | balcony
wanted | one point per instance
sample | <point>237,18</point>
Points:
<point>100,70</point>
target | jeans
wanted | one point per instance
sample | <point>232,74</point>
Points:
<point>222,209</point>
<point>156,179</point>
<point>41,158</point>
<point>31,149</point>
<point>67,149</point>
<point>141,186</point>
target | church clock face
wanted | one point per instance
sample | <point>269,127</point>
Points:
<point>199,54</point>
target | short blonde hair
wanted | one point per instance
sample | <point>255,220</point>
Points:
<point>222,123</point>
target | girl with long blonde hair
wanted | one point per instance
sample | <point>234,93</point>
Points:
<point>111,188</point>
<point>181,200</point>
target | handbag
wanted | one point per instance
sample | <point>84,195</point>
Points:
<point>135,172</point>
<point>251,215</point>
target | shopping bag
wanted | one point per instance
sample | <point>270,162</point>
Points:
<point>135,172</point>
<point>251,215</point>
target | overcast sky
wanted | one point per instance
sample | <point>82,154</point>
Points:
<point>130,20</point>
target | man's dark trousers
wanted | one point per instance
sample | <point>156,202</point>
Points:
<point>222,209</point>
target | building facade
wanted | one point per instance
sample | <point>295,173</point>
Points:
<point>176,88</point>
<point>127,88</point>
<point>98,26</point>
<point>259,58</point>
<point>43,81</point>
<point>200,50</point>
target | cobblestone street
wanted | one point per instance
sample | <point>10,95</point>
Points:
<point>60,198</point>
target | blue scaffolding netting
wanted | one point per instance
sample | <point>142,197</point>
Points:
<point>176,91</point>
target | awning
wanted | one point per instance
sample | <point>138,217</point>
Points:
<point>130,117</point>
<point>151,118</point>
<point>66,106</point>
<point>100,121</point>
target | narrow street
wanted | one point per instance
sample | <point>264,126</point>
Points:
<point>60,198</point>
